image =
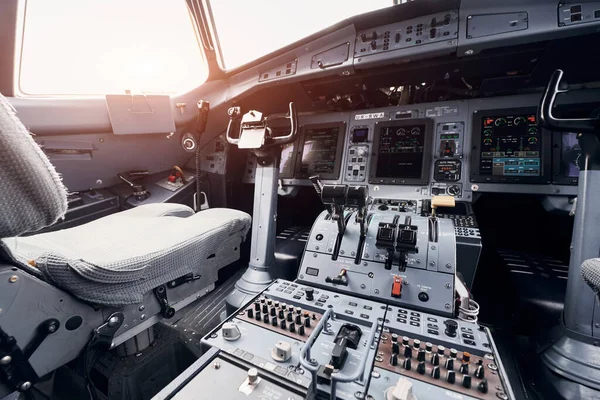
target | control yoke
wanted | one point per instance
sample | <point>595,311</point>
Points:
<point>579,125</point>
<point>254,130</point>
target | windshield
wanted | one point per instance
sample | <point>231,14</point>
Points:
<point>249,29</point>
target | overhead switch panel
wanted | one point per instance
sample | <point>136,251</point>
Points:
<point>495,24</point>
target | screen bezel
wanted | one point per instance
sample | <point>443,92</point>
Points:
<point>338,154</point>
<point>476,129</point>
<point>425,166</point>
<point>557,178</point>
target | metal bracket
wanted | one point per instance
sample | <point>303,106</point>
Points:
<point>161,295</point>
<point>104,334</point>
<point>14,362</point>
<point>181,280</point>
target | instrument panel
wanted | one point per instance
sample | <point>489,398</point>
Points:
<point>453,148</point>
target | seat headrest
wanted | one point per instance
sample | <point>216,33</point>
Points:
<point>32,195</point>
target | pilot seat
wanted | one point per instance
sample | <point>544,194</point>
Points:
<point>98,286</point>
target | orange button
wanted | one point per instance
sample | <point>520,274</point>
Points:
<point>397,286</point>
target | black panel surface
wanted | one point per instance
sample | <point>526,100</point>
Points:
<point>320,150</point>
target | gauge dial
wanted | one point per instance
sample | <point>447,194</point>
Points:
<point>401,132</point>
<point>533,131</point>
<point>519,120</point>
<point>487,132</point>
<point>500,122</point>
<point>532,140</point>
<point>415,131</point>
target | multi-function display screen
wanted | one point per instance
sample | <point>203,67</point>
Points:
<point>320,150</point>
<point>401,151</point>
<point>511,146</point>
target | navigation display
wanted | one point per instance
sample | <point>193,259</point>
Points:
<point>321,151</point>
<point>511,146</point>
<point>402,152</point>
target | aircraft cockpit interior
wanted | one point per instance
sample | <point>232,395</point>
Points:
<point>372,200</point>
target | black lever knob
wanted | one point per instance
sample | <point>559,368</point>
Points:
<point>290,317</point>
<point>394,359</point>
<point>280,314</point>
<point>265,308</point>
<point>451,327</point>
<point>464,368</point>
<point>451,378</point>
<point>307,321</point>
<point>292,327</point>
<point>421,368</point>
<point>301,330</point>
<point>395,348</point>
<point>435,359</point>
<point>299,319</point>
<point>421,355</point>
<point>435,373</point>
<point>407,364</point>
<point>467,381</point>
<point>480,372</point>
<point>257,316</point>
<point>310,294</point>
<point>256,306</point>
<point>407,352</point>
<point>250,313</point>
<point>266,318</point>
<point>274,321</point>
<point>273,312</point>
<point>483,386</point>
<point>449,364</point>
<point>282,324</point>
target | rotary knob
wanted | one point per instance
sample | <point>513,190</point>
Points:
<point>310,293</point>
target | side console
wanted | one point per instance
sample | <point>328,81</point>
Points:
<point>294,341</point>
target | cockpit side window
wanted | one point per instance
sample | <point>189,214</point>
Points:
<point>90,47</point>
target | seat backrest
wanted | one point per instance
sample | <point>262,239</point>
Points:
<point>32,195</point>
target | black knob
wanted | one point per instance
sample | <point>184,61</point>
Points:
<point>257,316</point>
<point>407,352</point>
<point>451,378</point>
<point>276,304</point>
<point>363,38</point>
<point>428,347</point>
<point>397,38</point>
<point>435,372</point>
<point>405,340</point>
<point>421,368</point>
<point>464,368</point>
<point>298,310</point>
<point>269,302</point>
<point>394,360</point>
<point>435,359</point>
<point>453,353</point>
<point>432,33</point>
<point>250,313</point>
<point>447,19</point>
<point>483,386</point>
<point>307,321</point>
<point>280,314</point>
<point>451,327</point>
<point>301,330</point>
<point>283,306</point>
<point>373,45</point>
<point>265,308</point>
<point>441,350</point>
<point>449,364</point>
<point>466,381</point>
<point>257,305</point>
<point>421,355</point>
<point>395,348</point>
<point>480,372</point>
<point>292,327</point>
<point>262,300</point>
<point>290,317</point>
<point>394,338</point>
<point>416,343</point>
<point>282,324</point>
<point>274,321</point>
<point>266,318</point>
<point>407,364</point>
<point>374,35</point>
<point>273,312</point>
<point>298,319</point>
<point>310,294</point>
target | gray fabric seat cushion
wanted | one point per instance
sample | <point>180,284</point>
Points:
<point>32,195</point>
<point>116,259</point>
